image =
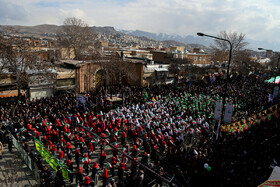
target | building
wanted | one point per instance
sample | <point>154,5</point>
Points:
<point>162,56</point>
<point>156,74</point>
<point>92,74</point>
<point>66,77</point>
<point>177,49</point>
<point>41,83</point>
<point>201,59</point>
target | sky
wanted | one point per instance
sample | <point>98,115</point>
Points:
<point>258,19</point>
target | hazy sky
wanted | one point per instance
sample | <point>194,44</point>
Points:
<point>258,19</point>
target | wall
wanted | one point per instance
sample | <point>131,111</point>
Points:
<point>41,92</point>
<point>161,56</point>
<point>200,58</point>
<point>67,53</point>
<point>86,75</point>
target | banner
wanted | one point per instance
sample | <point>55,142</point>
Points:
<point>275,91</point>
<point>228,113</point>
<point>256,119</point>
<point>218,110</point>
<point>52,161</point>
<point>270,183</point>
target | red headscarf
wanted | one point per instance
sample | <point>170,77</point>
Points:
<point>80,170</point>
<point>114,160</point>
<point>103,153</point>
<point>90,146</point>
<point>124,135</point>
<point>61,154</point>
<point>68,162</point>
<point>134,147</point>
<point>29,126</point>
<point>76,137</point>
<point>87,180</point>
<point>95,165</point>
<point>105,173</point>
<point>122,166</point>
<point>82,140</point>
<point>69,146</point>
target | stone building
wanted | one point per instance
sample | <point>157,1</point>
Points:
<point>92,74</point>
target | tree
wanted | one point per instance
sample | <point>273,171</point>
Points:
<point>76,35</point>
<point>275,58</point>
<point>118,70</point>
<point>180,67</point>
<point>20,60</point>
<point>221,48</point>
<point>5,53</point>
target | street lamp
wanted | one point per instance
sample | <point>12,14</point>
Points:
<point>269,50</point>
<point>226,86</point>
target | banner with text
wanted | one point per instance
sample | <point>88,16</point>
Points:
<point>52,161</point>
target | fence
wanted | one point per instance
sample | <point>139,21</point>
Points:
<point>29,162</point>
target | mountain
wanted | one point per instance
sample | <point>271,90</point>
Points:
<point>204,41</point>
<point>103,33</point>
<point>106,30</point>
<point>189,39</point>
<point>45,28</point>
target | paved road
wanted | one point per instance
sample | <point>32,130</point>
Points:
<point>13,171</point>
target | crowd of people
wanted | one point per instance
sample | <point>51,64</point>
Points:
<point>161,132</point>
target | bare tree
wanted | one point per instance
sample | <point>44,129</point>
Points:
<point>275,58</point>
<point>20,61</point>
<point>118,70</point>
<point>5,53</point>
<point>221,48</point>
<point>76,34</point>
<point>181,68</point>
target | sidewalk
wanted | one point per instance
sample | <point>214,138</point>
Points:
<point>13,170</point>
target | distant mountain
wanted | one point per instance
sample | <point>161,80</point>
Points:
<point>107,33</point>
<point>254,45</point>
<point>106,30</point>
<point>36,31</point>
<point>189,39</point>
<point>45,28</point>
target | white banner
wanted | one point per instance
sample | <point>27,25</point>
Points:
<point>218,110</point>
<point>228,113</point>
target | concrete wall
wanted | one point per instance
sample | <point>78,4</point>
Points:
<point>86,75</point>
<point>40,92</point>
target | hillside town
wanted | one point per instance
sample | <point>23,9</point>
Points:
<point>80,107</point>
<point>156,62</point>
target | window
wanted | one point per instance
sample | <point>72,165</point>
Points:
<point>204,59</point>
<point>200,58</point>
<point>195,58</point>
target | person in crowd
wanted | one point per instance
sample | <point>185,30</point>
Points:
<point>158,129</point>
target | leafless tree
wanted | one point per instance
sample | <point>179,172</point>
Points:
<point>119,70</point>
<point>21,61</point>
<point>275,60</point>
<point>181,67</point>
<point>221,48</point>
<point>76,35</point>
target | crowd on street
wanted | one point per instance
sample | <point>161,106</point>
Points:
<point>161,134</point>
